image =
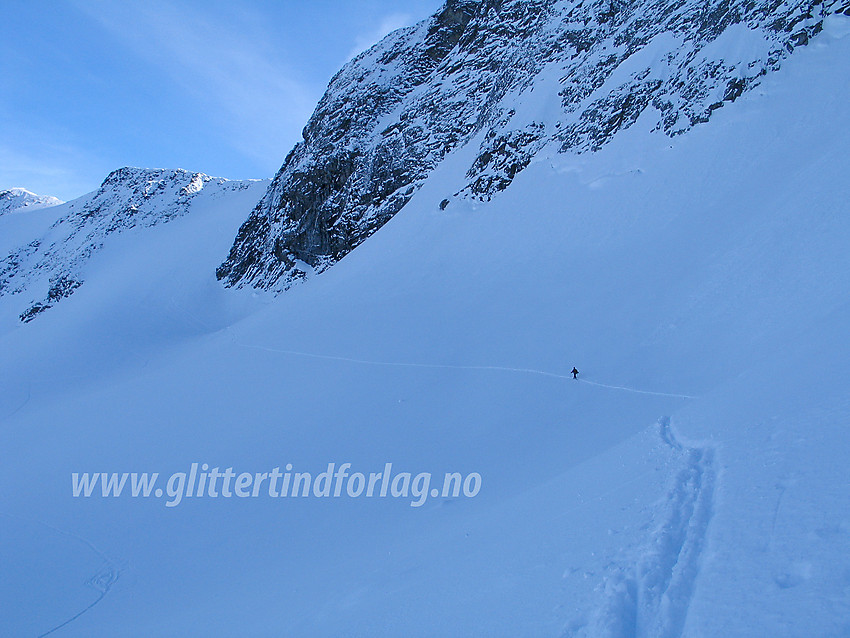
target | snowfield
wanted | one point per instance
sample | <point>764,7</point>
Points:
<point>692,481</point>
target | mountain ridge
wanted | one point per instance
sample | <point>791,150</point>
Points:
<point>50,266</point>
<point>466,76</point>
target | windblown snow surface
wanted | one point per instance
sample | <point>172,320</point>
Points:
<point>692,482</point>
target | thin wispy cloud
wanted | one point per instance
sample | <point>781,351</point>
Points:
<point>387,25</point>
<point>229,66</point>
<point>48,168</point>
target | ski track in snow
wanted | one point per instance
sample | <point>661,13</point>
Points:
<point>20,406</point>
<point>441,366</point>
<point>650,597</point>
<point>102,581</point>
<point>628,389</point>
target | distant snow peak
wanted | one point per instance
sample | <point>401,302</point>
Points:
<point>17,199</point>
<point>53,266</point>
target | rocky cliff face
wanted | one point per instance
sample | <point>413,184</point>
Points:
<point>51,267</point>
<point>510,77</point>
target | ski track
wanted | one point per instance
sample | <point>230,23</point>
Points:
<point>628,389</point>
<point>102,581</point>
<point>20,406</point>
<point>650,598</point>
<point>441,366</point>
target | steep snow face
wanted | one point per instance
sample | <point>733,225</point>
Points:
<point>15,199</point>
<point>508,78</point>
<point>45,265</point>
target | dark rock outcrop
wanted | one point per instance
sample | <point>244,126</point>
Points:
<point>482,72</point>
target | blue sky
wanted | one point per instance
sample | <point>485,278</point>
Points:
<point>219,87</point>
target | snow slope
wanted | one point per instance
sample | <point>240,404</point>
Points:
<point>691,483</point>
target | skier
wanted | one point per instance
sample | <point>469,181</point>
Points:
<point>574,372</point>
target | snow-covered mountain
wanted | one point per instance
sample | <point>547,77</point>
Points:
<point>691,482</point>
<point>47,256</point>
<point>508,78</point>
<point>14,199</point>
